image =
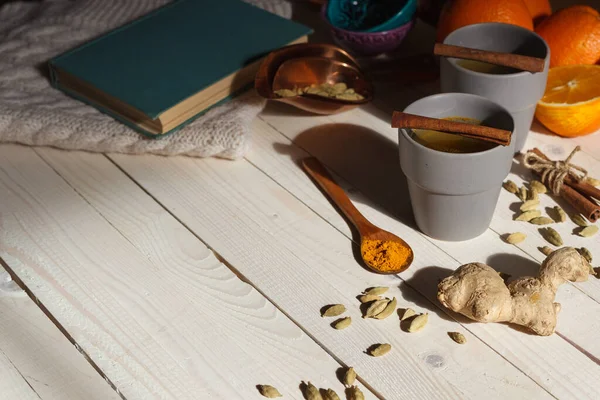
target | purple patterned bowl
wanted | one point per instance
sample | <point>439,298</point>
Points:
<point>368,43</point>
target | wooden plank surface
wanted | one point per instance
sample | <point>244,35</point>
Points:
<point>350,148</point>
<point>44,357</point>
<point>12,384</point>
<point>303,263</point>
<point>369,129</point>
<point>342,145</point>
<point>162,317</point>
<point>148,303</point>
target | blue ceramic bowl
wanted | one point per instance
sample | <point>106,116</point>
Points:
<point>370,15</point>
<point>368,43</point>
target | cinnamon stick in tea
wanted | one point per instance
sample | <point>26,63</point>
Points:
<point>489,134</point>
<point>517,61</point>
<point>583,205</point>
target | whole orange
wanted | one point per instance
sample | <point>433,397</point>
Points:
<point>539,9</point>
<point>459,13</point>
<point>573,35</point>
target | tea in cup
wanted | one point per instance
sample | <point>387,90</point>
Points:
<point>451,143</point>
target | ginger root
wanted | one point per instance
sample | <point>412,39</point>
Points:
<point>477,291</point>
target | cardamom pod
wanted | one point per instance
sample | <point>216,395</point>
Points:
<point>418,323</point>
<point>530,205</point>
<point>510,186</point>
<point>349,96</point>
<point>334,310</point>
<point>367,298</point>
<point>541,221</point>
<point>538,186</point>
<point>355,394</point>
<point>285,93</point>
<point>585,253</point>
<point>268,391</point>
<point>339,87</point>
<point>458,337</point>
<point>533,195</point>
<point>515,238</point>
<point>311,392</point>
<point>523,193</point>
<point>330,394</point>
<point>546,250</point>
<point>588,231</point>
<point>380,349</point>
<point>592,181</point>
<point>409,312</point>
<point>560,214</point>
<point>579,220</point>
<point>342,323</point>
<point>376,307</point>
<point>349,377</point>
<point>552,237</point>
<point>388,310</point>
<point>528,215</point>
<point>377,291</point>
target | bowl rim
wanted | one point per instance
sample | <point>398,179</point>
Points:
<point>376,28</point>
<point>364,33</point>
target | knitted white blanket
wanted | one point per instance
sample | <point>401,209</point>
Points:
<point>34,113</point>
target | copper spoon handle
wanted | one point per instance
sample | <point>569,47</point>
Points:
<point>316,170</point>
<point>517,61</point>
<point>494,135</point>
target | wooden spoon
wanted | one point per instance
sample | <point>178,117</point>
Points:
<point>367,231</point>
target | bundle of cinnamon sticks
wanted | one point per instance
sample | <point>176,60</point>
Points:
<point>580,195</point>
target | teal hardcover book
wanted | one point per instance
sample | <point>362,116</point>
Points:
<point>162,70</point>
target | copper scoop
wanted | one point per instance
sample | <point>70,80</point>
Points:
<point>307,71</point>
<point>308,64</point>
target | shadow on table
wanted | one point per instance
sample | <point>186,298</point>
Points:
<point>513,264</point>
<point>275,108</point>
<point>537,127</point>
<point>364,158</point>
<point>427,278</point>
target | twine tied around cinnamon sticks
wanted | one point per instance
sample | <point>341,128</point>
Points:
<point>554,173</point>
<point>569,180</point>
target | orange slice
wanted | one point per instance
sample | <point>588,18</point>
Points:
<point>571,104</point>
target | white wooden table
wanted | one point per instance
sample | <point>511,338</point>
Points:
<point>180,278</point>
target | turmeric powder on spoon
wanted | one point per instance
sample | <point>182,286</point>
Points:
<point>384,255</point>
